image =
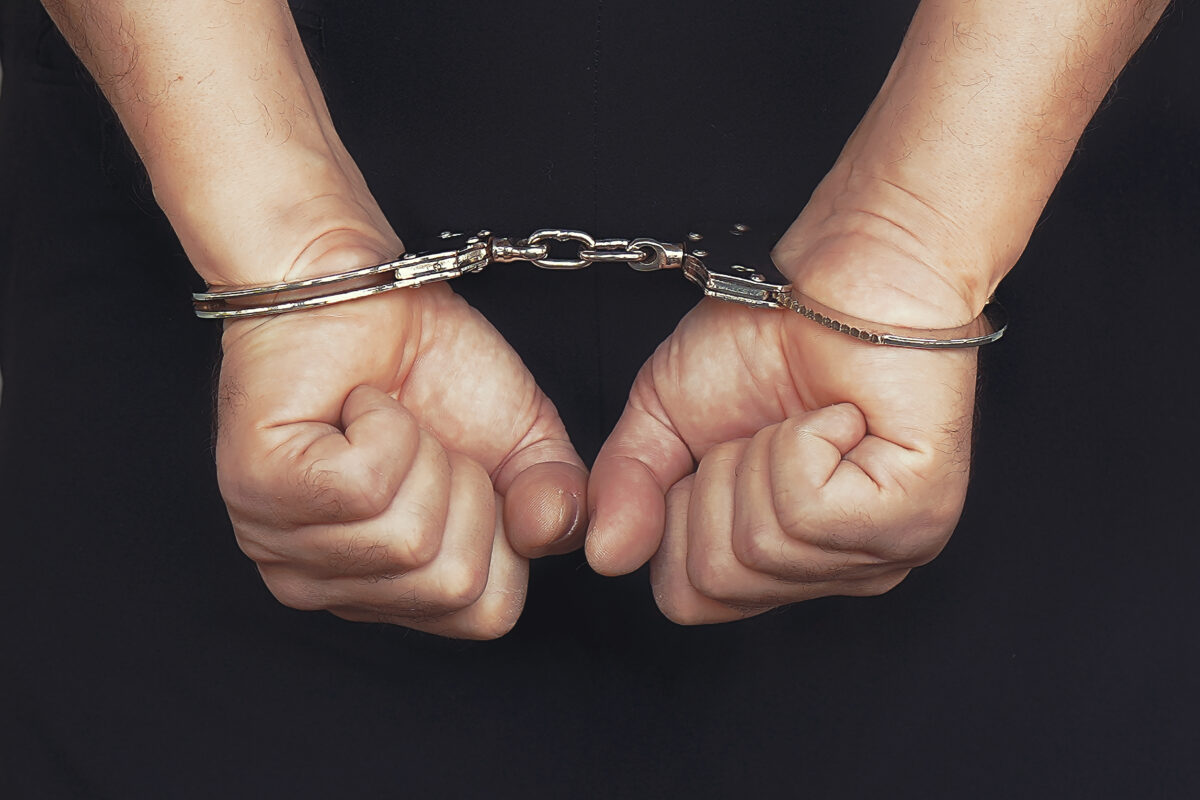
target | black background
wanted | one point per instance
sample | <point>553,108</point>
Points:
<point>1050,651</point>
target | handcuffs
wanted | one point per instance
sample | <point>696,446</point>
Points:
<point>730,264</point>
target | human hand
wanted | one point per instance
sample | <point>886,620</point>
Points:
<point>763,460</point>
<point>391,459</point>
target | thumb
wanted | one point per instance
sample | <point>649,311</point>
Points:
<point>544,486</point>
<point>642,459</point>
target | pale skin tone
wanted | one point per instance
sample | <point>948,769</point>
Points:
<point>392,460</point>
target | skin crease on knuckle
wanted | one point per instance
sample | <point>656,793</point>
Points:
<point>712,574</point>
<point>681,613</point>
<point>294,590</point>
<point>372,559</point>
<point>246,479</point>
<point>349,486</point>
<point>459,579</point>
<point>759,546</point>
<point>499,612</point>
<point>680,606</point>
<point>415,532</point>
<point>367,490</point>
<point>906,524</point>
<point>687,606</point>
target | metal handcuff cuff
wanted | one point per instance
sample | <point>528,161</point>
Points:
<point>741,278</point>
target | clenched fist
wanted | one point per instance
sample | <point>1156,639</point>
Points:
<point>763,460</point>
<point>391,459</point>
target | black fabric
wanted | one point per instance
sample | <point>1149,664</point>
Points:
<point>1049,652</point>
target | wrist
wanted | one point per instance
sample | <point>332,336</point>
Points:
<point>310,220</point>
<point>875,251</point>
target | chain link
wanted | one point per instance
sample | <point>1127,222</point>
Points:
<point>459,254</point>
<point>644,255</point>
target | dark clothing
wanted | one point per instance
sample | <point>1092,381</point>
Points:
<point>1049,652</point>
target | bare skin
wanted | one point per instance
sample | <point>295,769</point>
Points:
<point>387,460</point>
<point>406,467</point>
<point>762,460</point>
<point>391,460</point>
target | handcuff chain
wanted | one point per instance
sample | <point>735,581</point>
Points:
<point>642,254</point>
<point>463,254</point>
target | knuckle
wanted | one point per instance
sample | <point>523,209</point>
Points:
<point>921,542</point>
<point>418,547</point>
<point>374,491</point>
<point>421,539</point>
<point>364,492</point>
<point>259,550</point>
<point>242,477</point>
<point>294,591</point>
<point>757,546</point>
<point>794,517</point>
<point>710,576</point>
<point>678,609</point>
<point>461,581</point>
<point>684,607</point>
<point>499,614</point>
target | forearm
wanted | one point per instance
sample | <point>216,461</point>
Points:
<point>978,117</point>
<point>223,108</point>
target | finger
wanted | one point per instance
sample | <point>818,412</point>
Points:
<point>499,607</point>
<point>544,485</point>
<point>545,509</point>
<point>492,615</point>
<point>313,472</point>
<point>712,567</point>
<point>872,586</point>
<point>454,580</point>
<point>875,501</point>
<point>407,535</point>
<point>758,540</point>
<point>818,495</point>
<point>872,503</point>
<point>641,460</point>
<point>678,600</point>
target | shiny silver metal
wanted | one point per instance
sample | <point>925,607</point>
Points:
<point>598,256</point>
<point>662,255</point>
<point>732,288</point>
<point>741,279</point>
<point>465,254</point>
<point>503,250</point>
<point>745,275</point>
<point>984,329</point>
<point>561,235</point>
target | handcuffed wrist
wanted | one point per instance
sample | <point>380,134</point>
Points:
<point>726,274</point>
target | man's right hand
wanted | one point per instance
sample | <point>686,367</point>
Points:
<point>391,459</point>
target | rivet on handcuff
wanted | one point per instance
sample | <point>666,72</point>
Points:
<point>457,254</point>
